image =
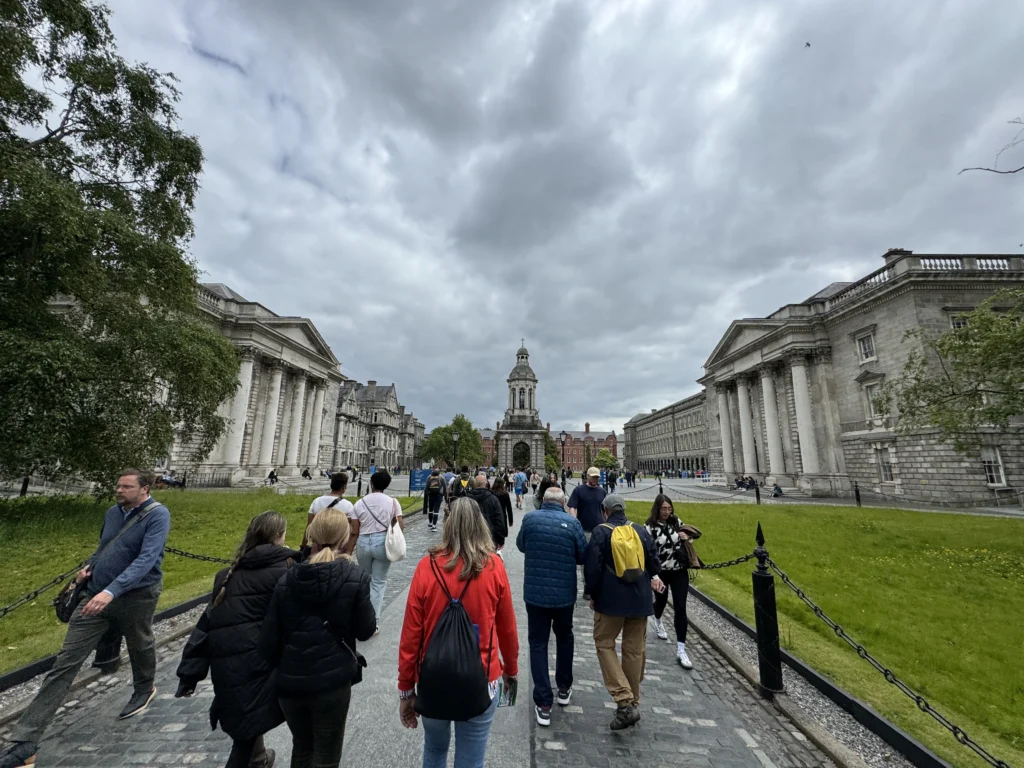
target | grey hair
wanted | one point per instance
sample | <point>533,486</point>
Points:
<point>554,493</point>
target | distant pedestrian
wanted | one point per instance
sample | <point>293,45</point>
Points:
<point>122,583</point>
<point>501,492</point>
<point>371,517</point>
<point>461,485</point>
<point>553,544</point>
<point>306,475</point>
<point>670,538</point>
<point>459,591</point>
<point>534,481</point>
<point>520,481</point>
<point>225,643</point>
<point>271,477</point>
<point>434,494</point>
<point>490,508</point>
<point>317,613</point>
<point>339,484</point>
<point>621,573</point>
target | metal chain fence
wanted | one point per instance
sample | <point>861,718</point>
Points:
<point>727,563</point>
<point>889,675</point>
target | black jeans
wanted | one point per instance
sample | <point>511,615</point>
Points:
<point>678,582</point>
<point>433,507</point>
<point>317,724</point>
<point>540,622</point>
<point>246,752</point>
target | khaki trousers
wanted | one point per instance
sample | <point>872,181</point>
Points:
<point>621,678</point>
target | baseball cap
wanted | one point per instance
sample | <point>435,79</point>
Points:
<point>593,472</point>
<point>613,502</point>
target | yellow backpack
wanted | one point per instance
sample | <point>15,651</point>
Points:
<point>627,552</point>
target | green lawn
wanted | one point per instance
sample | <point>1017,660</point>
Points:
<point>938,598</point>
<point>40,538</point>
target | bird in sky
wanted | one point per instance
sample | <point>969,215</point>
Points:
<point>807,45</point>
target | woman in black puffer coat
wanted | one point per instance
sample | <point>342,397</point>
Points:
<point>319,610</point>
<point>225,643</point>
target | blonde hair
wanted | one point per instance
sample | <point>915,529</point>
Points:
<point>465,538</point>
<point>330,530</point>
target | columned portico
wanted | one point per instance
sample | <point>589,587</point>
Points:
<point>725,420</point>
<point>776,460</point>
<point>746,426</point>
<point>804,415</point>
<point>291,452</point>
<point>269,427</point>
<point>316,423</point>
<point>239,409</point>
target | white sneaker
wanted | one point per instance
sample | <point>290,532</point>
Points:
<point>659,629</point>
<point>684,660</point>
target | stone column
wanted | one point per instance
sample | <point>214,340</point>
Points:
<point>239,410</point>
<point>776,461</point>
<point>270,415</point>
<point>291,453</point>
<point>725,421</point>
<point>312,442</point>
<point>746,426</point>
<point>804,416</point>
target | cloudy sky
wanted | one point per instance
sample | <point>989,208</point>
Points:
<point>615,181</point>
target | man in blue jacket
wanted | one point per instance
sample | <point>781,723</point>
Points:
<point>123,582</point>
<point>554,545</point>
<point>620,607</point>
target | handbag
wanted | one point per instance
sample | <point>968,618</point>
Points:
<point>394,543</point>
<point>67,600</point>
<point>360,659</point>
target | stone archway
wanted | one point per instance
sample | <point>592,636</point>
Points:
<point>521,455</point>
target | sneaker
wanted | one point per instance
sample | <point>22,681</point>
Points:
<point>136,704</point>
<point>684,660</point>
<point>564,697</point>
<point>267,762</point>
<point>543,716</point>
<point>377,630</point>
<point>659,629</point>
<point>624,718</point>
<point>19,754</point>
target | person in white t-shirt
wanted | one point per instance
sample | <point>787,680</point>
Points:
<point>339,482</point>
<point>371,517</point>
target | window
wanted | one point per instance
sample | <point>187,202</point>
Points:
<point>992,463</point>
<point>871,391</point>
<point>957,321</point>
<point>884,464</point>
<point>866,345</point>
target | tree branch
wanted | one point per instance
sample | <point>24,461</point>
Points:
<point>59,131</point>
<point>992,170</point>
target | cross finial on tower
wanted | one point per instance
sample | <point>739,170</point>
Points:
<point>522,341</point>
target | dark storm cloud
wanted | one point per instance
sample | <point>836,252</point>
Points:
<point>615,181</point>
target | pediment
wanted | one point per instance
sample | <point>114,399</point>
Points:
<point>741,334</point>
<point>302,331</point>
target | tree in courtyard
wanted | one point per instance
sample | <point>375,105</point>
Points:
<point>552,454</point>
<point>605,460</point>
<point>967,379</point>
<point>103,355</point>
<point>587,456</point>
<point>440,447</point>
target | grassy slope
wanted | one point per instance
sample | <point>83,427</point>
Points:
<point>40,538</point>
<point>938,598</point>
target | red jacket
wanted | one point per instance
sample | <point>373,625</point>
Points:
<point>488,602</point>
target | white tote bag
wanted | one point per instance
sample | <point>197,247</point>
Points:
<point>394,542</point>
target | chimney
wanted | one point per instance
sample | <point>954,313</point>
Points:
<point>894,253</point>
<point>371,383</point>
<point>549,426</point>
<point>497,425</point>
<point>586,427</point>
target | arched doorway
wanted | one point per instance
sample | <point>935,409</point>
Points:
<point>520,455</point>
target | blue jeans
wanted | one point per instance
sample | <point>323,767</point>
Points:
<point>470,740</point>
<point>540,622</point>
<point>374,560</point>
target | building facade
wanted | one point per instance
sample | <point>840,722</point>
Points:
<point>669,439</point>
<point>521,435</point>
<point>287,380</point>
<point>373,429</point>
<point>792,396</point>
<point>581,447</point>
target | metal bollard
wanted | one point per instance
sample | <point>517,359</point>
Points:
<point>359,488</point>
<point>766,619</point>
<point>757,492</point>
<point>856,492</point>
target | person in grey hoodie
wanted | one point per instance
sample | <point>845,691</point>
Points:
<point>122,583</point>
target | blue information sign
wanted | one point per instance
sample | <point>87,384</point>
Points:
<point>418,480</point>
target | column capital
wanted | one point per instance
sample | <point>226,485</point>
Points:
<point>247,353</point>
<point>274,363</point>
<point>723,387</point>
<point>767,370</point>
<point>822,355</point>
<point>798,356</point>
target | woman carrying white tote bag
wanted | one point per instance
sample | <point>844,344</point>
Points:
<point>378,524</point>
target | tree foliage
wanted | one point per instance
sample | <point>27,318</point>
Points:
<point>552,454</point>
<point>605,460</point>
<point>966,379</point>
<point>439,447</point>
<point>103,353</point>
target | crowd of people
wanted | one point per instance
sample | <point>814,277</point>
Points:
<point>279,640</point>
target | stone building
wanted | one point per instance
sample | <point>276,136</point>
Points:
<point>579,445</point>
<point>410,438</point>
<point>520,436</point>
<point>288,379</point>
<point>668,439</point>
<point>792,394</point>
<point>487,444</point>
<point>351,443</point>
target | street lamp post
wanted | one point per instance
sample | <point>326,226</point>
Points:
<point>562,437</point>
<point>455,450</point>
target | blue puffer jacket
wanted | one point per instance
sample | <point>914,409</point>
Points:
<point>554,545</point>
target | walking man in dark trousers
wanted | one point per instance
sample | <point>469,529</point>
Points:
<point>554,545</point>
<point>123,580</point>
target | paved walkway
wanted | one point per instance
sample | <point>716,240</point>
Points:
<point>706,717</point>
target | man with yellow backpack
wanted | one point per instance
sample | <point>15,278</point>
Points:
<point>620,571</point>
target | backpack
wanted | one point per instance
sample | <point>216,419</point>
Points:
<point>627,552</point>
<point>433,484</point>
<point>453,682</point>
<point>459,486</point>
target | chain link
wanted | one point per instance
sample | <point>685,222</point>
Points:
<point>193,556</point>
<point>55,581</point>
<point>727,563</point>
<point>889,675</point>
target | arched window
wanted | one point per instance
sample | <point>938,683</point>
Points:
<point>531,398</point>
<point>522,398</point>
<point>511,398</point>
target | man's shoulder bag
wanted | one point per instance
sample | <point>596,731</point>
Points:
<point>70,596</point>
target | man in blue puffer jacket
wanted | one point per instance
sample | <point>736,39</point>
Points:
<point>554,545</point>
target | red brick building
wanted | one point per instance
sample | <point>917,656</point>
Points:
<point>577,456</point>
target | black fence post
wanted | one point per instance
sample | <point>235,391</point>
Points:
<point>757,493</point>
<point>766,618</point>
<point>24,487</point>
<point>660,489</point>
<point>856,492</point>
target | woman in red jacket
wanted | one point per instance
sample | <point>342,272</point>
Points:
<point>462,567</point>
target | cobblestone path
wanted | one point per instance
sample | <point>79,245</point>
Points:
<point>706,717</point>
